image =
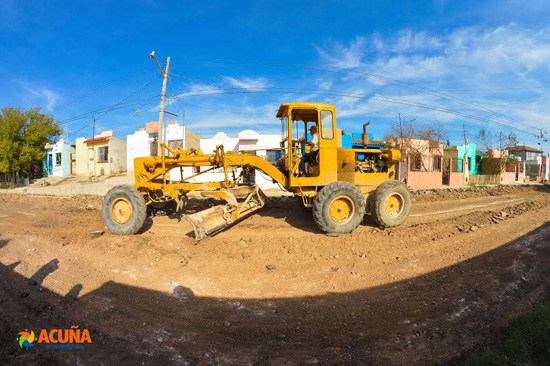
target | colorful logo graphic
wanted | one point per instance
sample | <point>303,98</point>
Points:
<point>72,338</point>
<point>26,339</point>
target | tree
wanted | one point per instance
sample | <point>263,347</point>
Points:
<point>23,135</point>
<point>389,137</point>
<point>419,142</point>
<point>497,146</point>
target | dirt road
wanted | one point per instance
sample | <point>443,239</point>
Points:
<point>273,290</point>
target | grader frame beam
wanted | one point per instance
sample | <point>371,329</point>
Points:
<point>147,170</point>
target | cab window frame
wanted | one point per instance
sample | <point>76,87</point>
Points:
<point>331,125</point>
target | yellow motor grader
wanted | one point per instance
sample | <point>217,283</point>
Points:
<point>341,184</point>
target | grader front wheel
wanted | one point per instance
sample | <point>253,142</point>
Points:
<point>123,210</point>
<point>338,208</point>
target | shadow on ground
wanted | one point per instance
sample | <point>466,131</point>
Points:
<point>431,319</point>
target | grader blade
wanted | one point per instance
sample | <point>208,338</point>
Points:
<point>241,202</point>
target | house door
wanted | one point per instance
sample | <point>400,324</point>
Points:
<point>50,164</point>
<point>446,171</point>
<point>91,161</point>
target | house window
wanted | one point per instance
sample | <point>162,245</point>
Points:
<point>57,159</point>
<point>174,144</point>
<point>273,155</point>
<point>103,154</point>
<point>416,162</point>
<point>437,163</point>
<point>327,132</point>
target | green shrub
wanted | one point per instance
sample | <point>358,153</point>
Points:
<point>527,341</point>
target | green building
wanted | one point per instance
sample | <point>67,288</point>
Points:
<point>469,151</point>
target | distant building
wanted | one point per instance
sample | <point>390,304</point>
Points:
<point>144,142</point>
<point>266,146</point>
<point>534,167</point>
<point>57,159</point>
<point>103,154</point>
<point>465,155</point>
<point>526,153</point>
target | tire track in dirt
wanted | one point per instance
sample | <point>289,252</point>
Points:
<point>272,290</point>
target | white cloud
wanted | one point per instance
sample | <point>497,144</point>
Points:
<point>45,96</point>
<point>248,83</point>
<point>345,57</point>
<point>490,63</point>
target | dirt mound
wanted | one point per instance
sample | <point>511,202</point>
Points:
<point>434,195</point>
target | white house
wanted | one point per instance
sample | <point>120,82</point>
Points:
<point>266,146</point>
<point>144,141</point>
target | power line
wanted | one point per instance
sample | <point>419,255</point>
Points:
<point>367,75</point>
<point>350,95</point>
<point>97,89</point>
<point>121,104</point>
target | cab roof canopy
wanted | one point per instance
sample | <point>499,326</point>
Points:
<point>303,115</point>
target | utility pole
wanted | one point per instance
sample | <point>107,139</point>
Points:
<point>93,147</point>
<point>465,134</point>
<point>400,127</point>
<point>162,96</point>
<point>161,111</point>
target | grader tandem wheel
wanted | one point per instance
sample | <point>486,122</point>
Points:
<point>339,207</point>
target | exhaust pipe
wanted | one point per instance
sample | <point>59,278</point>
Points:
<point>365,135</point>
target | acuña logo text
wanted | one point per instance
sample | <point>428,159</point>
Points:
<point>72,338</point>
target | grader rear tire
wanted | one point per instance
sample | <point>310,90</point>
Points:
<point>370,206</point>
<point>391,203</point>
<point>338,208</point>
<point>123,210</point>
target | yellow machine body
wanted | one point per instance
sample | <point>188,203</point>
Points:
<point>334,164</point>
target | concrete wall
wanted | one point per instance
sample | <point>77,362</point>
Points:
<point>192,140</point>
<point>137,145</point>
<point>81,152</point>
<point>117,155</point>
<point>424,179</point>
<point>456,179</point>
<point>508,177</point>
<point>484,179</point>
<point>417,179</point>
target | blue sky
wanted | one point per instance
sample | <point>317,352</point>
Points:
<point>235,62</point>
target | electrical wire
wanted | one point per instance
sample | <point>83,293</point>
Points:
<point>349,95</point>
<point>367,75</point>
<point>97,89</point>
<point>121,104</point>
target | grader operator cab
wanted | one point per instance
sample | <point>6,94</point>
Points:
<point>344,180</point>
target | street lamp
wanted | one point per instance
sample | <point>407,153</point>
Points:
<point>152,56</point>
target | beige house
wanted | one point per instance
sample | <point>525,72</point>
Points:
<point>423,155</point>
<point>103,154</point>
